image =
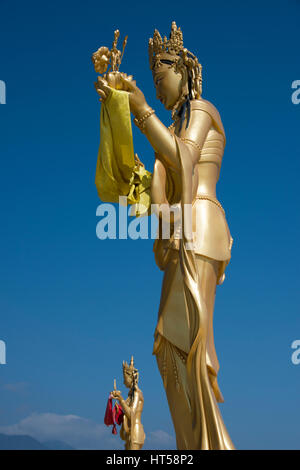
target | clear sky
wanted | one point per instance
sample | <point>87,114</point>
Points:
<point>73,306</point>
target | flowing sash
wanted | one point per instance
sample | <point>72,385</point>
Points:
<point>208,425</point>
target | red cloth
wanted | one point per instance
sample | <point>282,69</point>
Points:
<point>113,415</point>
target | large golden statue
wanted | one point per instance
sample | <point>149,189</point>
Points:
<point>188,156</point>
<point>132,431</point>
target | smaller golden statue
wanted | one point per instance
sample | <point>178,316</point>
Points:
<point>132,431</point>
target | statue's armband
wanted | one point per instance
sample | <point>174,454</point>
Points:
<point>196,133</point>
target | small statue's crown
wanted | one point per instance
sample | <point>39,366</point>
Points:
<point>129,368</point>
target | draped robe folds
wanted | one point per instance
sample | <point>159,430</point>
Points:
<point>187,366</point>
<point>117,173</point>
<point>132,430</point>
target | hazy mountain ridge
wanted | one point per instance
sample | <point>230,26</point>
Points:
<point>24,442</point>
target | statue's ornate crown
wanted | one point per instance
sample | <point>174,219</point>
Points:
<point>157,45</point>
<point>172,49</point>
<point>129,368</point>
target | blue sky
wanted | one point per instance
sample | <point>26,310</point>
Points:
<point>73,306</point>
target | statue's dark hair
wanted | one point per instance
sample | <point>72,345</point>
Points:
<point>134,383</point>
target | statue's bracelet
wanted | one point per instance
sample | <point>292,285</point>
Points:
<point>141,122</point>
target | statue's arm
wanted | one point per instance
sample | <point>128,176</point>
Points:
<point>159,136</point>
<point>158,183</point>
<point>130,410</point>
<point>126,408</point>
<point>163,142</point>
<point>116,394</point>
<point>195,135</point>
<point>135,403</point>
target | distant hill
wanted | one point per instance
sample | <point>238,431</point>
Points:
<point>19,442</point>
<point>57,445</point>
<point>23,442</point>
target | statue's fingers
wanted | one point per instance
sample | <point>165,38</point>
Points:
<point>102,82</point>
<point>96,85</point>
<point>106,89</point>
<point>130,84</point>
<point>102,95</point>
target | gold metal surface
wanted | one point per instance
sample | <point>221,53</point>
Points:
<point>132,431</point>
<point>188,157</point>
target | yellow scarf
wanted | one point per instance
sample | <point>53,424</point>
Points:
<point>117,173</point>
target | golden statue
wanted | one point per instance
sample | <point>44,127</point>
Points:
<point>188,156</point>
<point>132,431</point>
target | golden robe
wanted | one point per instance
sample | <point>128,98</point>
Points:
<point>184,344</point>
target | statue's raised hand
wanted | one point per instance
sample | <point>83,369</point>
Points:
<point>137,101</point>
<point>116,394</point>
<point>111,80</point>
<point>102,88</point>
<point>114,79</point>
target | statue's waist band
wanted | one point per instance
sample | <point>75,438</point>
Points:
<point>212,199</point>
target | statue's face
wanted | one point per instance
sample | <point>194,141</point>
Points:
<point>168,84</point>
<point>127,379</point>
